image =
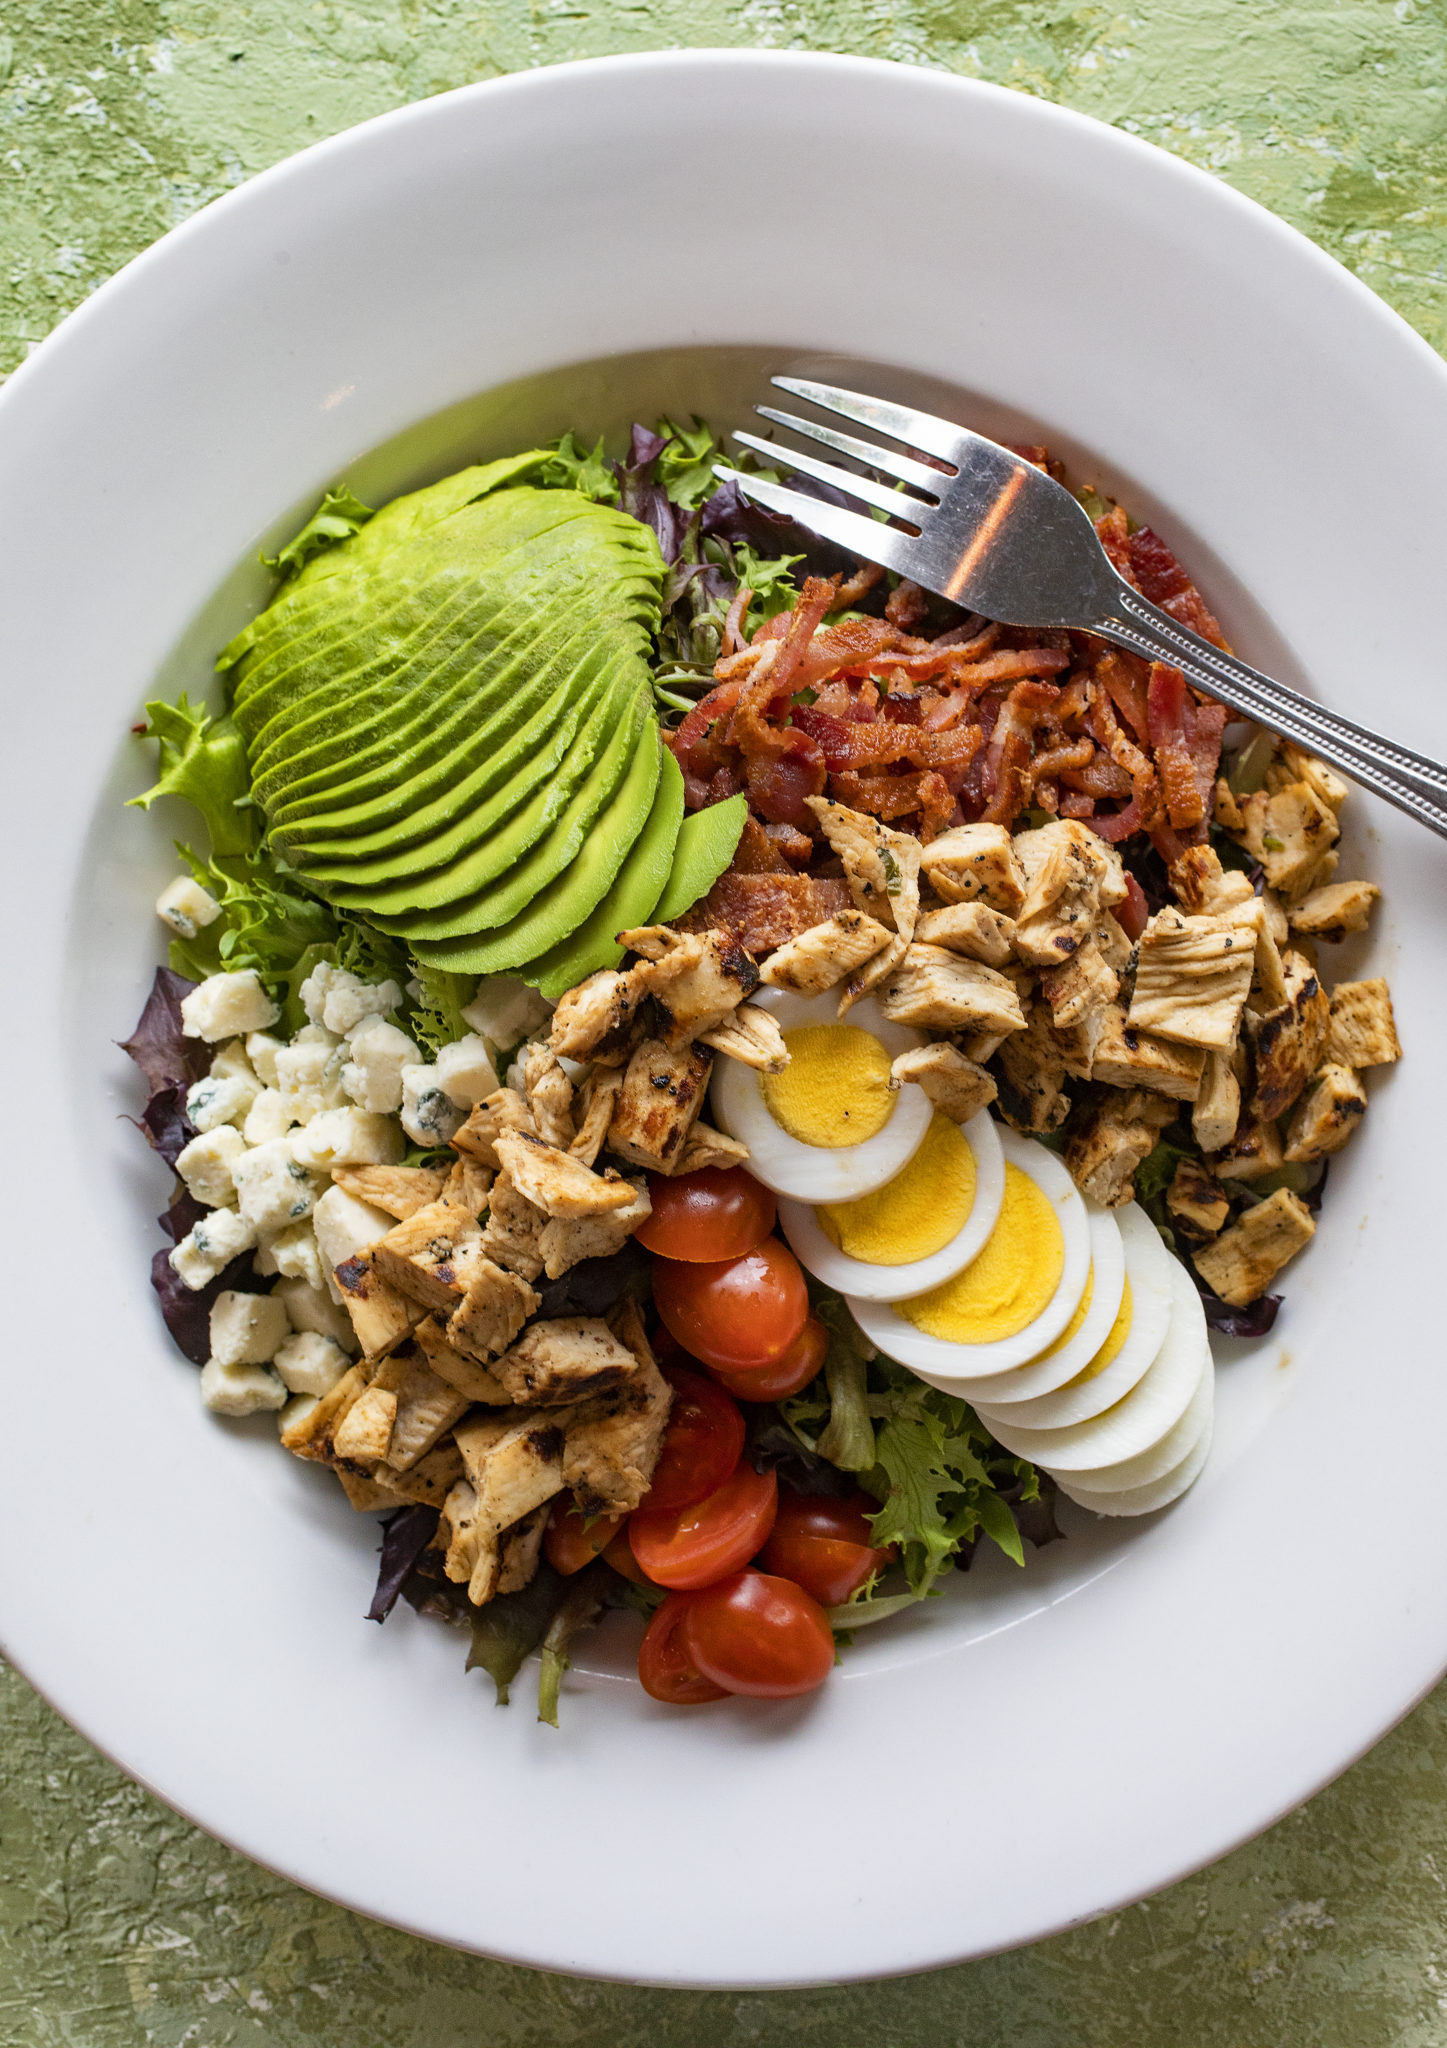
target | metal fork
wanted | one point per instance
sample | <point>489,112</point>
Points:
<point>996,535</point>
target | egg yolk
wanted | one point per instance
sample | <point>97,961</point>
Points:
<point>835,1090</point>
<point>918,1212</point>
<point>1011,1281</point>
<point>1073,1327</point>
<point>1110,1349</point>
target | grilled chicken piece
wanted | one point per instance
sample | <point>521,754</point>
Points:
<point>467,1186</point>
<point>1202,884</point>
<point>1072,878</point>
<point>564,1359</point>
<point>1033,1071</point>
<point>1327,1114</point>
<point>382,1317</point>
<point>522,1547</point>
<point>752,1037</point>
<point>1363,1031</point>
<point>1291,833</point>
<point>363,1435</point>
<point>597,1100</point>
<point>825,953</point>
<point>565,1240</point>
<point>957,1087</point>
<point>1119,1132</point>
<point>426,1408</point>
<point>456,1367</point>
<point>513,1464</point>
<point>613,1440</point>
<point>555,1182</point>
<point>491,1313</point>
<point>1245,1259</point>
<point>938,990</point>
<point>425,1483</point>
<point>1254,1152</point>
<point>1129,1058</point>
<point>1335,911</point>
<point>592,1020</point>
<point>1196,1201</point>
<point>1217,1109</point>
<point>882,870</point>
<point>512,1228</point>
<point>549,1095</point>
<point>1081,990</point>
<point>704,1146</point>
<point>503,1110</point>
<point>696,979</point>
<point>1193,975</point>
<point>973,929</point>
<point>976,862</point>
<point>432,1256</point>
<point>661,1096</point>
<point>1290,764</point>
<point>310,1436</point>
<point>399,1190</point>
<point>1287,1042</point>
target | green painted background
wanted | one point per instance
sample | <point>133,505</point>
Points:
<point>122,1926</point>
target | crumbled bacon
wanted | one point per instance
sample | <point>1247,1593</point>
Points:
<point>764,911</point>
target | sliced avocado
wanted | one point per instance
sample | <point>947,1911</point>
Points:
<point>638,885</point>
<point>707,842</point>
<point>576,894</point>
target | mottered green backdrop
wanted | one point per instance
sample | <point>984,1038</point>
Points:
<point>121,1925</point>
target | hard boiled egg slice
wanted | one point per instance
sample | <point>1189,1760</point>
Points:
<point>1015,1297</point>
<point>1142,1418</point>
<point>1155,1494</point>
<point>1132,1341</point>
<point>829,1127</point>
<point>920,1228</point>
<point>1129,1474</point>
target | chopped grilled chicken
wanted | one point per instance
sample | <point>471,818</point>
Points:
<point>880,866</point>
<point>513,1464</point>
<point>592,1020</point>
<point>1268,977</point>
<point>310,1436</point>
<point>613,1440</point>
<point>1033,1072</point>
<point>704,1146</point>
<point>1331,913</point>
<point>957,1087</point>
<point>597,1099</point>
<point>565,1240</point>
<point>473,1549</point>
<point>973,929</point>
<point>1254,1152</point>
<point>1287,1042</point>
<point>1196,1201</point>
<point>1193,975</point>
<point>468,1185</point>
<point>752,1037</point>
<point>1202,884</point>
<point>1291,764</point>
<point>1117,1134</point>
<point>426,1408</point>
<point>454,1366</point>
<point>661,1096</point>
<point>1217,1109</point>
<point>1245,1259</point>
<point>522,1548</point>
<point>432,1256</point>
<point>399,1190</point>
<point>1129,1058</point>
<point>555,1182</point>
<point>1081,990</point>
<point>382,1318</point>
<point>364,1493</point>
<point>1363,1030</point>
<point>549,1095</point>
<point>512,1228</point>
<point>1273,916</point>
<point>939,990</point>
<point>564,1359</point>
<point>363,1436</point>
<point>825,953</point>
<point>696,979</point>
<point>1326,1115</point>
<point>976,862</point>
<point>1071,879</point>
<point>428,1481</point>
<point>503,1110</point>
<point>1291,832</point>
<point>491,1313</point>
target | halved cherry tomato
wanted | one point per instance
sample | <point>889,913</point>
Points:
<point>826,1546</point>
<point>753,1633</point>
<point>701,1444</point>
<point>694,1545</point>
<point>663,1663</point>
<point>572,1540</point>
<point>717,1213</point>
<point>736,1313</point>
<point>787,1375</point>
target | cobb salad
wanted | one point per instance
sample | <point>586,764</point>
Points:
<point>702,1079</point>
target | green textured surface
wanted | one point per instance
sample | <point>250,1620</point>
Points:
<point>119,1924</point>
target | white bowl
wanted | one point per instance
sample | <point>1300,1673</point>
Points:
<point>191,1599</point>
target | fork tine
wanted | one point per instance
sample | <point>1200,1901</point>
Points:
<point>900,422</point>
<point>902,466</point>
<point>893,502</point>
<point>849,530</point>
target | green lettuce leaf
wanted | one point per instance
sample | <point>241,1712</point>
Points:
<point>436,1017</point>
<point>203,761</point>
<point>572,467</point>
<point>685,466</point>
<point>339,515</point>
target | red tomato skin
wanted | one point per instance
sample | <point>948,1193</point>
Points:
<point>702,1441</point>
<point>685,1548</point>
<point>720,1212</point>
<point>619,1553</point>
<point>760,1635</point>
<point>735,1314</point>
<point>568,1545</point>
<point>663,1664</point>
<point>824,1545</point>
<point>787,1375</point>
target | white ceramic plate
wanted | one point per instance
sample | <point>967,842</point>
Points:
<point>190,1598</point>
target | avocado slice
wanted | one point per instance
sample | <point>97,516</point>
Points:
<point>575,894</point>
<point>707,842</point>
<point>639,884</point>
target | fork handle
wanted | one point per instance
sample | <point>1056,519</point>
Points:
<point>1411,781</point>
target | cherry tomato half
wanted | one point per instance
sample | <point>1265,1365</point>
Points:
<point>735,1313</point>
<point>572,1540</point>
<point>693,1546</point>
<point>823,1545</point>
<point>664,1665</point>
<point>701,1444</point>
<point>757,1634</point>
<point>787,1375</point>
<point>720,1212</point>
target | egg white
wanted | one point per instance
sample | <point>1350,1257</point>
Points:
<point>820,1173</point>
<point>1040,1375</point>
<point>1155,1494</point>
<point>1150,1269</point>
<point>897,1338</point>
<point>1152,1407</point>
<point>1128,1475</point>
<point>835,1268</point>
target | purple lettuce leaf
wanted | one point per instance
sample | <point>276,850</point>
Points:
<point>728,515</point>
<point>158,1045</point>
<point>405,1535</point>
<point>643,498</point>
<point>185,1310</point>
<point>164,1122</point>
<point>1252,1320</point>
